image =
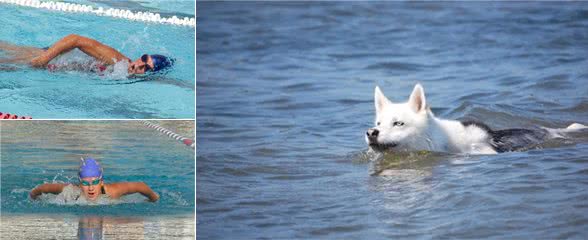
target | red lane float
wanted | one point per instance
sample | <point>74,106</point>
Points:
<point>12,116</point>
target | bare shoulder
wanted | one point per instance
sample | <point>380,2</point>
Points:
<point>118,189</point>
<point>113,190</point>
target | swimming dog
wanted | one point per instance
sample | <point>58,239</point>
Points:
<point>412,126</point>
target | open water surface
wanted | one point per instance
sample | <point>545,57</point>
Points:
<point>285,95</point>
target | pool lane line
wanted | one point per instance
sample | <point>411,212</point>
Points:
<point>12,116</point>
<point>186,141</point>
<point>100,11</point>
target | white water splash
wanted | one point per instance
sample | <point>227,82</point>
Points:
<point>562,132</point>
<point>20,190</point>
<point>72,195</point>
<point>117,71</point>
<point>176,197</point>
<point>76,61</point>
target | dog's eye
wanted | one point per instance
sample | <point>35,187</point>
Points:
<point>398,124</point>
<point>378,123</point>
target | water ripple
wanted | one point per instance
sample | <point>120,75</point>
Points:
<point>287,95</point>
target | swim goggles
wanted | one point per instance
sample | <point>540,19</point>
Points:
<point>95,182</point>
<point>145,58</point>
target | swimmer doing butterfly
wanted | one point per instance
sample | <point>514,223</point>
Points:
<point>92,187</point>
<point>105,55</point>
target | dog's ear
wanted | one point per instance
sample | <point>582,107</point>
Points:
<point>417,98</point>
<point>380,100</point>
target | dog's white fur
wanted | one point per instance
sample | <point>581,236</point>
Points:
<point>412,126</point>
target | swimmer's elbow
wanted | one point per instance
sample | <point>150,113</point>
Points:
<point>72,37</point>
<point>74,40</point>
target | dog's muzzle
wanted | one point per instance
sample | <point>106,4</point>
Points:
<point>372,135</point>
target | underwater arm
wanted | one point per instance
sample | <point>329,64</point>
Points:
<point>18,54</point>
<point>89,46</point>
<point>54,188</point>
<point>117,190</point>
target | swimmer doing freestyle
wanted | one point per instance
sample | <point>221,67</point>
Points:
<point>105,55</point>
<point>93,187</point>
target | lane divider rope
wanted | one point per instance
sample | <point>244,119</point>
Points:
<point>187,141</point>
<point>12,116</point>
<point>100,11</point>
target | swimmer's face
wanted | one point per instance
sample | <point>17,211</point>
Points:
<point>141,65</point>
<point>92,187</point>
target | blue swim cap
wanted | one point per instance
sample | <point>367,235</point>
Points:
<point>161,62</point>
<point>90,168</point>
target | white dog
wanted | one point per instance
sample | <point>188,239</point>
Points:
<point>412,126</point>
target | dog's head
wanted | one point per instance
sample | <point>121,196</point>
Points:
<point>399,125</point>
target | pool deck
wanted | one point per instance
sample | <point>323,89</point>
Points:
<point>28,226</point>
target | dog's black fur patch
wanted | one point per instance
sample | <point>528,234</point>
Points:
<point>508,140</point>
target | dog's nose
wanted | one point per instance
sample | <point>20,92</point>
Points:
<point>372,133</point>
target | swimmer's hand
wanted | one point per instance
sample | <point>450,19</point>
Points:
<point>154,198</point>
<point>34,194</point>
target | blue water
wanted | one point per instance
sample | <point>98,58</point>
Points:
<point>36,152</point>
<point>74,94</point>
<point>285,95</point>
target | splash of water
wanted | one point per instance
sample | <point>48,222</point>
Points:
<point>76,61</point>
<point>72,195</point>
<point>117,71</point>
<point>176,197</point>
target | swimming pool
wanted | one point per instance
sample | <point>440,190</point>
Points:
<point>73,94</point>
<point>285,96</point>
<point>34,152</point>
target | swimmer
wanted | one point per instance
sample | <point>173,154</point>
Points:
<point>92,186</point>
<point>105,55</point>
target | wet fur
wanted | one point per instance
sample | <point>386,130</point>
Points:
<point>412,126</point>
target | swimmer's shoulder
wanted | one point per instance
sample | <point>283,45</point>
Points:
<point>117,190</point>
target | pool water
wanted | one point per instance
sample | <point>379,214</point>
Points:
<point>36,152</point>
<point>43,94</point>
<point>285,95</point>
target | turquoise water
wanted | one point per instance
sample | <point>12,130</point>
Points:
<point>36,152</point>
<point>74,94</point>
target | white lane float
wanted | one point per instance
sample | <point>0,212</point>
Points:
<point>100,11</point>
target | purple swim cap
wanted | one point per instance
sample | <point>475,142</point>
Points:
<point>161,62</point>
<point>90,168</point>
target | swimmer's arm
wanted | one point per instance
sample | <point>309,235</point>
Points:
<point>89,46</point>
<point>54,188</point>
<point>116,190</point>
